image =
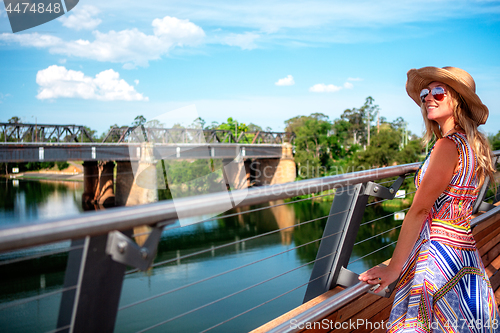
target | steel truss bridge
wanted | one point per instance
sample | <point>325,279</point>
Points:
<point>39,133</point>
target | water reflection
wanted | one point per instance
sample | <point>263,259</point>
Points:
<point>24,200</point>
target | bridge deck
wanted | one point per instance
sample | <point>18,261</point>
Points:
<point>374,309</point>
<point>47,151</point>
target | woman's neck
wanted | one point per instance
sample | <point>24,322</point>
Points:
<point>448,126</point>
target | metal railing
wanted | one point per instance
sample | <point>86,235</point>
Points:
<point>102,248</point>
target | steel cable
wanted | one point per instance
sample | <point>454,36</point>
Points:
<point>233,294</point>
<point>256,209</point>
<point>264,303</point>
<point>235,242</point>
<point>36,256</point>
<point>223,273</point>
<point>383,217</point>
<point>237,214</point>
<point>60,329</point>
<point>366,239</point>
<point>34,298</point>
<point>366,255</point>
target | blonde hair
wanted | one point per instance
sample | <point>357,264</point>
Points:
<point>477,140</point>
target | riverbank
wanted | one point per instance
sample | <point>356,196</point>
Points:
<point>72,173</point>
<point>49,175</point>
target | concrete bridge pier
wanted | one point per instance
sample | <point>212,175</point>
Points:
<point>90,178</point>
<point>139,188</point>
<point>98,184</point>
<point>237,175</point>
<point>270,171</point>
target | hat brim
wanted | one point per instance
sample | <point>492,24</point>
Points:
<point>419,79</point>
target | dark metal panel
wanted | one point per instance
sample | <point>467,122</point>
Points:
<point>338,239</point>
<point>93,305</point>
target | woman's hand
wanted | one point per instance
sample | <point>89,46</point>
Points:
<point>383,275</point>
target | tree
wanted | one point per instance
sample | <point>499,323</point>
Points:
<point>369,109</point>
<point>92,133</point>
<point>495,141</point>
<point>382,151</point>
<point>234,126</point>
<point>14,120</point>
<point>139,120</point>
<point>254,128</point>
<point>154,123</point>
<point>311,143</point>
<point>340,138</point>
<point>213,125</point>
<point>360,119</point>
<point>385,149</point>
<point>198,123</point>
<point>323,147</point>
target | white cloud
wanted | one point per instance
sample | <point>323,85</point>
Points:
<point>136,82</point>
<point>348,85</point>
<point>286,81</point>
<point>31,40</point>
<point>4,96</point>
<point>81,17</point>
<point>131,46</point>
<point>354,79</point>
<point>245,41</point>
<point>321,87</point>
<point>62,61</point>
<point>57,81</point>
<point>324,21</point>
<point>176,31</point>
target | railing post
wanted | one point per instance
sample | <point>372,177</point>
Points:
<point>340,233</point>
<point>338,239</point>
<point>93,305</point>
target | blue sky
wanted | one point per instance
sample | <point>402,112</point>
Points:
<point>263,62</point>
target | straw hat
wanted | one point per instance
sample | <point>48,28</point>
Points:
<point>457,78</point>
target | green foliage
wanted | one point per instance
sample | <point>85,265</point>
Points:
<point>386,149</point>
<point>139,120</point>
<point>412,152</point>
<point>14,120</point>
<point>26,166</point>
<point>92,133</point>
<point>324,148</point>
<point>254,128</point>
<point>234,126</point>
<point>358,120</point>
<point>495,141</point>
<point>61,165</point>
<point>312,143</point>
<point>32,166</point>
<point>381,150</point>
<point>189,178</point>
<point>198,123</point>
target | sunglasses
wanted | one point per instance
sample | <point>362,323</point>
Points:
<point>437,92</point>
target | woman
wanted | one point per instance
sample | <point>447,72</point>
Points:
<point>443,285</point>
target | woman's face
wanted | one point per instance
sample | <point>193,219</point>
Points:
<point>439,111</point>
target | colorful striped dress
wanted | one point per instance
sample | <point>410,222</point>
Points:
<point>443,286</point>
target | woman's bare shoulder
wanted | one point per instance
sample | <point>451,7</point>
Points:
<point>445,148</point>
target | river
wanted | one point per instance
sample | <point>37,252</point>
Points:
<point>27,201</point>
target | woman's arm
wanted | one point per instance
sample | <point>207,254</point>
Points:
<point>442,164</point>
